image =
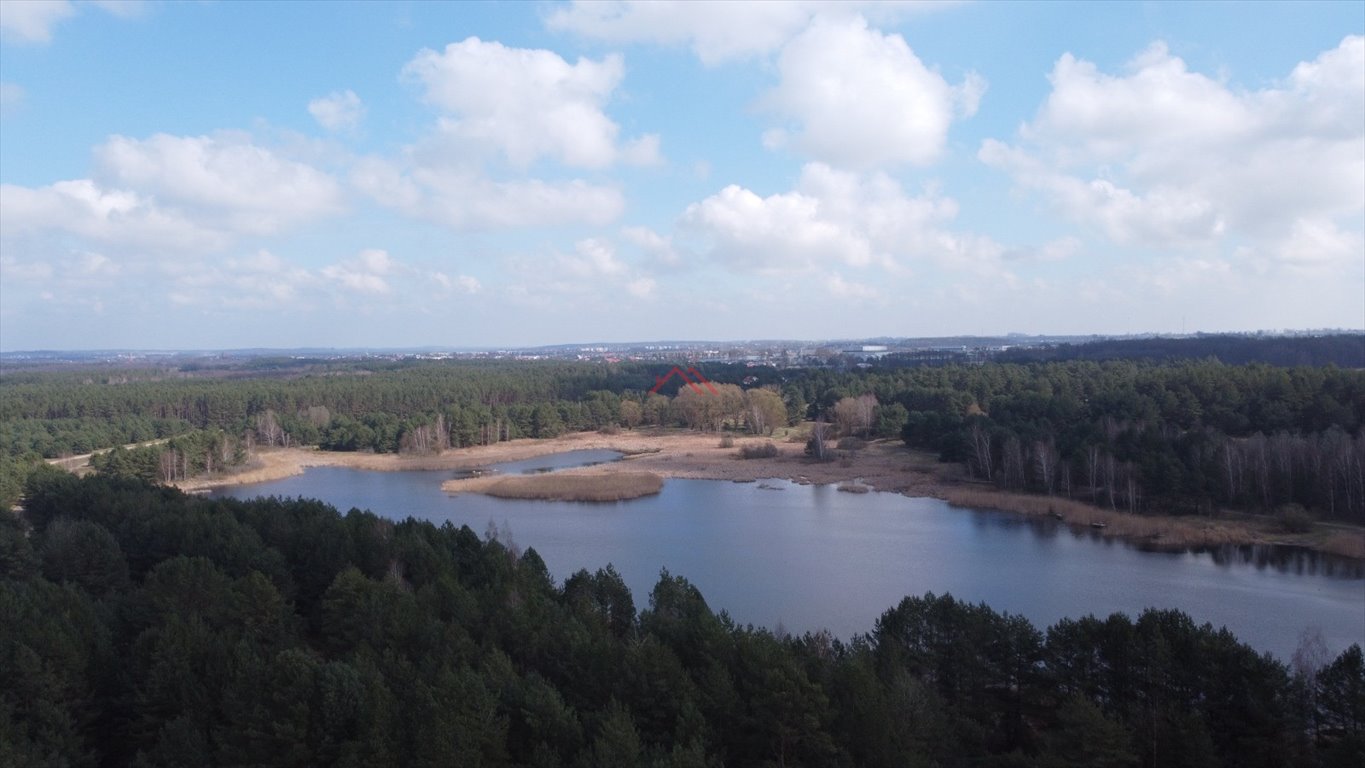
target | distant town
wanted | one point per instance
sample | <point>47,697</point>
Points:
<point>768,352</point>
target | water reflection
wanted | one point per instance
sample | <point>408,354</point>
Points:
<point>556,461</point>
<point>813,558</point>
<point>1283,558</point>
<point>1288,559</point>
<point>542,464</point>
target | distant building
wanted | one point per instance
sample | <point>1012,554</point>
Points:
<point>865,351</point>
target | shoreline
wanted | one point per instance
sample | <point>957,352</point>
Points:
<point>883,466</point>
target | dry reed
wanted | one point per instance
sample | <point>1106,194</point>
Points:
<point>1152,531</point>
<point>613,486</point>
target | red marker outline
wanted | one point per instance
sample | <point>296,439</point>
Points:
<point>659,381</point>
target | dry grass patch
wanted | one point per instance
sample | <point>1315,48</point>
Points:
<point>1345,544</point>
<point>1155,531</point>
<point>613,486</point>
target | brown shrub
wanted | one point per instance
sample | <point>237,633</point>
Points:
<point>764,450</point>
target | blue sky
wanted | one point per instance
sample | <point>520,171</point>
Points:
<point>221,175</point>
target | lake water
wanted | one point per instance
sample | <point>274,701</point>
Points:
<point>810,557</point>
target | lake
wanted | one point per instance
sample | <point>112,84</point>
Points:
<point>811,557</point>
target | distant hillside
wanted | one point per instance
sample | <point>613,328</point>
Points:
<point>1346,350</point>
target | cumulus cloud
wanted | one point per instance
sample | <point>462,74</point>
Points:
<point>338,111</point>
<point>155,209</point>
<point>33,21</point>
<point>641,288</point>
<point>372,277</point>
<point>591,276</point>
<point>775,233</point>
<point>859,98</point>
<point>592,258</point>
<point>11,97</point>
<point>1160,156</point>
<point>82,208</point>
<point>658,248</point>
<point>258,280</point>
<point>367,272</point>
<point>462,283</point>
<point>122,8</point>
<point>845,289</point>
<point>465,199</point>
<point>224,179</point>
<point>835,218</point>
<point>716,32</point>
<point>527,103</point>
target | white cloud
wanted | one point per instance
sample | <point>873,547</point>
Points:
<point>527,103</point>
<point>338,111</point>
<point>224,181</point>
<point>716,32</point>
<point>12,269</point>
<point>844,289</point>
<point>123,8</point>
<point>254,281</point>
<point>773,234</point>
<point>366,273</point>
<point>659,248</point>
<point>589,278</point>
<point>82,208</point>
<point>11,97</point>
<point>1171,276</point>
<point>156,211</point>
<point>641,288</point>
<point>33,21</point>
<point>370,279</point>
<point>464,199</point>
<point>592,258</point>
<point>96,265</point>
<point>1319,245</point>
<point>461,283</point>
<point>859,98</point>
<point>835,218</point>
<point>1164,157</point>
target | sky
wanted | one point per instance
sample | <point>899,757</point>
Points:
<point>389,174</point>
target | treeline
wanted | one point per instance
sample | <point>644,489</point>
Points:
<point>53,438</point>
<point>179,458</point>
<point>1344,350</point>
<point>47,413</point>
<point>1174,438</point>
<point>140,626</point>
<point>1182,437</point>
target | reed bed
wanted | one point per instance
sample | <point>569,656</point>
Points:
<point>1155,531</point>
<point>605,486</point>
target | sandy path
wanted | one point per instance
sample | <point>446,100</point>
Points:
<point>74,463</point>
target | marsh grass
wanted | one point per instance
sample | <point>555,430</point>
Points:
<point>1161,532</point>
<point>612,486</point>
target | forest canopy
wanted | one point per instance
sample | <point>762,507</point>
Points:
<point>142,626</point>
<point>1179,436</point>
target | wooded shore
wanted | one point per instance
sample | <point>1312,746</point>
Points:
<point>882,466</point>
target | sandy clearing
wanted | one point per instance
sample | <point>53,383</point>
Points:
<point>886,466</point>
